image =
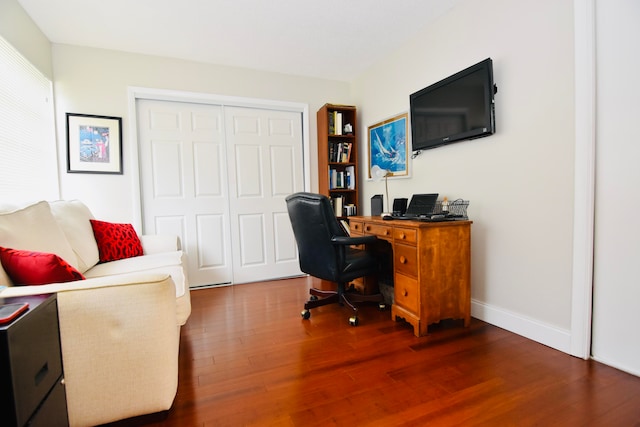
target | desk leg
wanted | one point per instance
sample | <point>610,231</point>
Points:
<point>419,327</point>
<point>422,328</point>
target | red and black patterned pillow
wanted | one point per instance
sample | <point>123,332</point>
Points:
<point>37,268</point>
<point>116,241</point>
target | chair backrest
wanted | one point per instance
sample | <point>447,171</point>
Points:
<point>314,224</point>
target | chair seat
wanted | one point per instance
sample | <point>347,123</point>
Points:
<point>358,263</point>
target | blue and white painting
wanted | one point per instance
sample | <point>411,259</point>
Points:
<point>388,145</point>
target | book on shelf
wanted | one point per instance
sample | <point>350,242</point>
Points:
<point>337,123</point>
<point>340,152</point>
<point>340,179</point>
<point>332,127</point>
<point>350,171</point>
<point>338,205</point>
<point>350,209</point>
<point>345,225</point>
<point>347,152</point>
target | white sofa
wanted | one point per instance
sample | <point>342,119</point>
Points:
<point>119,328</point>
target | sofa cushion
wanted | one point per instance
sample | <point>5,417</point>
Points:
<point>37,268</point>
<point>73,216</point>
<point>116,241</point>
<point>34,228</point>
<point>173,263</point>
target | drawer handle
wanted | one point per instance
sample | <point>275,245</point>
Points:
<point>403,260</point>
<point>42,373</point>
<point>368,228</point>
<point>403,236</point>
<point>386,232</point>
<point>405,293</point>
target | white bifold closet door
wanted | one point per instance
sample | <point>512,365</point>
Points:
<point>217,176</point>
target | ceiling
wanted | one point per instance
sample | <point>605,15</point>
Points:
<point>332,39</point>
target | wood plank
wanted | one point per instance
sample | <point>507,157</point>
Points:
<point>247,358</point>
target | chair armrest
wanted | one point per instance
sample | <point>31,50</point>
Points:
<point>346,240</point>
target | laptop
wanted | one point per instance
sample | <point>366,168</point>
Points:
<point>420,206</point>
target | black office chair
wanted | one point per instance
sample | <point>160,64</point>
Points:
<point>325,252</point>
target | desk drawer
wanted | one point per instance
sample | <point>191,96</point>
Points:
<point>405,235</point>
<point>379,230</point>
<point>356,227</point>
<point>406,293</point>
<point>405,259</point>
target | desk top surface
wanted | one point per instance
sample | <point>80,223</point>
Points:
<point>409,222</point>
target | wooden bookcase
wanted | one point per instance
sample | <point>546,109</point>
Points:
<point>338,158</point>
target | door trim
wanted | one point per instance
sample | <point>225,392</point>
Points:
<point>584,178</point>
<point>134,93</point>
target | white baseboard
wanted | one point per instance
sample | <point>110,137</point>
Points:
<point>616,365</point>
<point>551,336</point>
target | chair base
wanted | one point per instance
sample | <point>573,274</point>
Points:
<point>341,296</point>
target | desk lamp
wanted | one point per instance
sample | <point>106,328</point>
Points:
<point>377,173</point>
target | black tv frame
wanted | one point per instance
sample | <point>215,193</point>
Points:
<point>488,128</point>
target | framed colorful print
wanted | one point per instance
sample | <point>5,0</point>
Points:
<point>94,144</point>
<point>388,146</point>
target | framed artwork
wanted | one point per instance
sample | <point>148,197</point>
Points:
<point>94,144</point>
<point>388,146</point>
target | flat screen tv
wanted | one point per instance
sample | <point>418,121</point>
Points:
<point>454,109</point>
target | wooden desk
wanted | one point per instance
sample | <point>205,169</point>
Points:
<point>431,268</point>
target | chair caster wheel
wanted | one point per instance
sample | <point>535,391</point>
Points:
<point>305,314</point>
<point>313,298</point>
<point>353,321</point>
<point>382,306</point>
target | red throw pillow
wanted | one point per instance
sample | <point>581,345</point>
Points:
<point>37,268</point>
<point>116,241</point>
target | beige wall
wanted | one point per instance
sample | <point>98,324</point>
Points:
<point>94,81</point>
<point>18,29</point>
<point>520,180</point>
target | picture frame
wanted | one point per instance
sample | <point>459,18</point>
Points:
<point>94,144</point>
<point>389,146</point>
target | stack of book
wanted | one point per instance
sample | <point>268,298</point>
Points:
<point>340,152</point>
<point>342,178</point>
<point>350,210</point>
<point>335,123</point>
<point>341,209</point>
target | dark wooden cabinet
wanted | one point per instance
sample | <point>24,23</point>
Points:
<point>338,158</point>
<point>32,389</point>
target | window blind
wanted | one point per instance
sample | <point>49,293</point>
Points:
<point>28,161</point>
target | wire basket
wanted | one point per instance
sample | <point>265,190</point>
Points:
<point>457,208</point>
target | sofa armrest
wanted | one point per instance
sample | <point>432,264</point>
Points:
<point>120,342</point>
<point>154,243</point>
<point>88,284</point>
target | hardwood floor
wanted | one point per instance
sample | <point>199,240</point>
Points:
<point>249,359</point>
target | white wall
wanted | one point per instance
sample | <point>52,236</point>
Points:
<point>617,240</point>
<point>520,180</point>
<point>94,81</point>
<point>19,29</point>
